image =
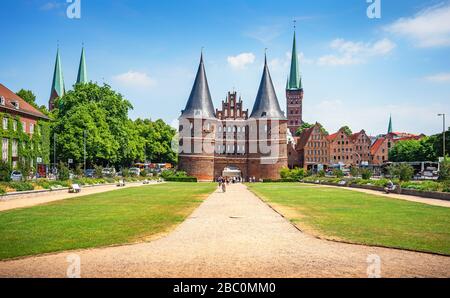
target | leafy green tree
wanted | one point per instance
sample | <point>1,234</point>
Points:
<point>354,171</point>
<point>413,150</point>
<point>347,130</point>
<point>366,174</point>
<point>303,127</point>
<point>157,137</point>
<point>403,171</point>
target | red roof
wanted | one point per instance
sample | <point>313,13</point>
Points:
<point>304,137</point>
<point>333,136</point>
<point>376,146</point>
<point>24,107</point>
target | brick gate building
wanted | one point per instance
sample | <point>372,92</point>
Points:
<point>230,140</point>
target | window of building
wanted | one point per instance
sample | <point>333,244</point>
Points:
<point>5,149</point>
<point>15,146</point>
<point>5,123</point>
<point>15,125</point>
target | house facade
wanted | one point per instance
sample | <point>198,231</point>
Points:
<point>25,133</point>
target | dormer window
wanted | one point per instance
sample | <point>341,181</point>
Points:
<point>2,100</point>
<point>15,104</point>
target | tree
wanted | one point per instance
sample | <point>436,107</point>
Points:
<point>413,150</point>
<point>158,138</point>
<point>111,137</point>
<point>30,98</point>
<point>347,130</point>
<point>303,127</point>
<point>403,171</point>
<point>5,171</point>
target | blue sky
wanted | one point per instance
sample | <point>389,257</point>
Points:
<point>356,71</point>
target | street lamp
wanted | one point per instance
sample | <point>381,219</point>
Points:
<point>443,132</point>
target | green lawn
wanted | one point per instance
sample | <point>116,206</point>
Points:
<point>360,218</point>
<point>115,217</point>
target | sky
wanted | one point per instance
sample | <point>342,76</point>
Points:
<point>356,70</point>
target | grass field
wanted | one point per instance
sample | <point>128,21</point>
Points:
<point>360,218</point>
<point>115,217</point>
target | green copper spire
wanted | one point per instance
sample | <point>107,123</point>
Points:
<point>390,130</point>
<point>58,89</point>
<point>295,82</point>
<point>82,70</point>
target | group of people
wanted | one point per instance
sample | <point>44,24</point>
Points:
<point>224,181</point>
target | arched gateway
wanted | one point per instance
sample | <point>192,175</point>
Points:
<point>232,172</point>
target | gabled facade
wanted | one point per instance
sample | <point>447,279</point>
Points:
<point>229,141</point>
<point>25,134</point>
<point>313,148</point>
<point>361,148</point>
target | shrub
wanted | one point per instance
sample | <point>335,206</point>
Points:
<point>98,171</point>
<point>403,171</point>
<point>2,191</point>
<point>79,170</point>
<point>354,171</point>
<point>444,171</point>
<point>21,186</point>
<point>5,171</point>
<point>181,179</point>
<point>294,174</point>
<point>366,174</point>
<point>63,172</point>
<point>321,173</point>
<point>125,172</point>
<point>338,173</point>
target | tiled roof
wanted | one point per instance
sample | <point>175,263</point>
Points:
<point>304,137</point>
<point>376,145</point>
<point>333,136</point>
<point>24,107</point>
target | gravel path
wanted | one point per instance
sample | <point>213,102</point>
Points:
<point>29,200</point>
<point>233,235</point>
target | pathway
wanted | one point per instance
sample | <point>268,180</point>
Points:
<point>233,235</point>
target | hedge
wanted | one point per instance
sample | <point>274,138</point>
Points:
<point>284,180</point>
<point>181,179</point>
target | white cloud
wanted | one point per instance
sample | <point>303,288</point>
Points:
<point>439,78</point>
<point>241,61</point>
<point>428,28</point>
<point>351,53</point>
<point>135,79</point>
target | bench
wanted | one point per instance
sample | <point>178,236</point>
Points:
<point>75,188</point>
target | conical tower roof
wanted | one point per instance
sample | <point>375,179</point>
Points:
<point>266,103</point>
<point>200,103</point>
<point>58,88</point>
<point>82,70</point>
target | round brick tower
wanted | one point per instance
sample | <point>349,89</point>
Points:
<point>197,130</point>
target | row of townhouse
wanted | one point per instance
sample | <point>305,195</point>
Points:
<point>315,148</point>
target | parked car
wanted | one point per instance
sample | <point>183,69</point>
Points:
<point>89,173</point>
<point>109,172</point>
<point>135,171</point>
<point>16,176</point>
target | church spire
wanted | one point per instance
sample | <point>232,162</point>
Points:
<point>58,89</point>
<point>82,70</point>
<point>200,102</point>
<point>295,81</point>
<point>390,129</point>
<point>266,103</point>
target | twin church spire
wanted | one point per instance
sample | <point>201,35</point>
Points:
<point>58,87</point>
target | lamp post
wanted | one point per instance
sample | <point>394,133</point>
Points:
<point>54,153</point>
<point>443,133</point>
<point>84,148</point>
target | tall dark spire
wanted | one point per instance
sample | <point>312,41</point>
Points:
<point>58,89</point>
<point>266,103</point>
<point>82,70</point>
<point>200,103</point>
